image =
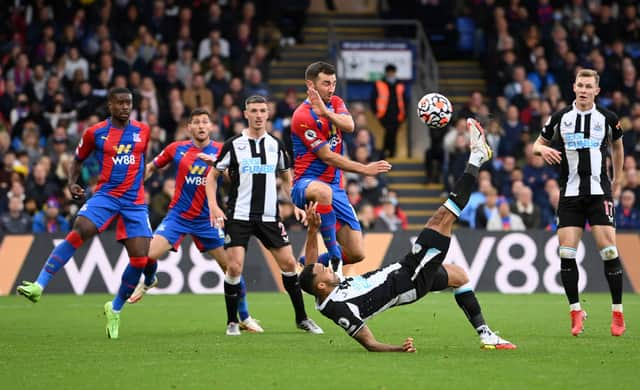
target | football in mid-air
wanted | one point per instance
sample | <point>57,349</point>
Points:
<point>435,110</point>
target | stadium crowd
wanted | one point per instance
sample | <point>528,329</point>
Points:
<point>57,61</point>
<point>531,51</point>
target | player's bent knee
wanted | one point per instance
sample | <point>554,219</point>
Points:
<point>457,276</point>
<point>566,252</point>
<point>609,253</point>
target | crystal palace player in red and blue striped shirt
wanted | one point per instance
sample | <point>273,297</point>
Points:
<point>119,144</point>
<point>188,210</point>
<point>316,135</point>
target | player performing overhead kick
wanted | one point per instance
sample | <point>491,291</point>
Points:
<point>351,301</point>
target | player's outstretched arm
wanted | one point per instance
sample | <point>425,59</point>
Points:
<point>366,338</point>
<point>339,161</point>
<point>287,182</point>
<point>313,226</point>
<point>149,170</point>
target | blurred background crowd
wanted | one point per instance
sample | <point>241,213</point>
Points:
<point>58,60</point>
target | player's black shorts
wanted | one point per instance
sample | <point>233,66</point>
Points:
<point>577,210</point>
<point>271,234</point>
<point>424,260</point>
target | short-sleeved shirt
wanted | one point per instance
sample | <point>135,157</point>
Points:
<point>120,153</point>
<point>309,132</point>
<point>189,198</point>
<point>585,138</point>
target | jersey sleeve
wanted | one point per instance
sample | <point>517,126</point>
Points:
<point>166,156</point>
<point>615,126</point>
<point>284,162</point>
<point>339,105</point>
<point>342,315</point>
<point>87,145</point>
<point>224,157</point>
<point>305,128</point>
<point>548,129</point>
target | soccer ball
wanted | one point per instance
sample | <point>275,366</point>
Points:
<point>435,110</point>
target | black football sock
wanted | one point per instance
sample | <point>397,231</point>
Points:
<point>613,272</point>
<point>231,297</point>
<point>569,276</point>
<point>290,282</point>
<point>471,307</point>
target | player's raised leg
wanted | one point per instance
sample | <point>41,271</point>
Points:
<point>83,230</point>
<point>321,193</point>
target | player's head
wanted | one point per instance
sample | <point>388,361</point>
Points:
<point>200,124</point>
<point>120,103</point>
<point>256,112</point>
<point>322,77</point>
<point>316,278</point>
<point>586,87</point>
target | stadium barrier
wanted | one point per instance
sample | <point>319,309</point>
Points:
<point>514,262</point>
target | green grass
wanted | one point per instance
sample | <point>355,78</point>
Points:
<point>178,342</point>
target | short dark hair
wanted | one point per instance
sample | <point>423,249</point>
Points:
<point>199,111</point>
<point>118,90</point>
<point>254,99</point>
<point>314,69</point>
<point>306,279</point>
<point>390,68</point>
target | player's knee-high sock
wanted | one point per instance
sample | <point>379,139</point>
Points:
<point>613,272</point>
<point>231,295</point>
<point>150,270</point>
<point>290,282</point>
<point>569,275</point>
<point>459,197</point>
<point>243,306</point>
<point>130,278</point>
<point>328,229</point>
<point>59,257</point>
<point>467,301</point>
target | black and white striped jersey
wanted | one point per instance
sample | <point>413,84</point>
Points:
<point>585,138</point>
<point>253,165</point>
<point>358,298</point>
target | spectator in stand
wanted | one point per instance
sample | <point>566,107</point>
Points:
<point>486,210</point>
<point>457,158</point>
<point>367,217</point>
<point>627,216</point>
<point>526,209</point>
<point>536,173</point>
<point>15,220</point>
<point>468,215</point>
<point>511,143</point>
<point>354,193</point>
<point>504,220</point>
<point>631,183</point>
<point>40,187</point>
<point>198,96</point>
<point>49,219</point>
<point>160,202</point>
<point>387,217</point>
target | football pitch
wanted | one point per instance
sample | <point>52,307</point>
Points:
<point>178,342</point>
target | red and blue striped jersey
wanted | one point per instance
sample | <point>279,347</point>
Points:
<point>120,153</point>
<point>308,134</point>
<point>189,198</point>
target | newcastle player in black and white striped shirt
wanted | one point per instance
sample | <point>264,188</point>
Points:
<point>254,160</point>
<point>586,132</point>
<point>351,301</point>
